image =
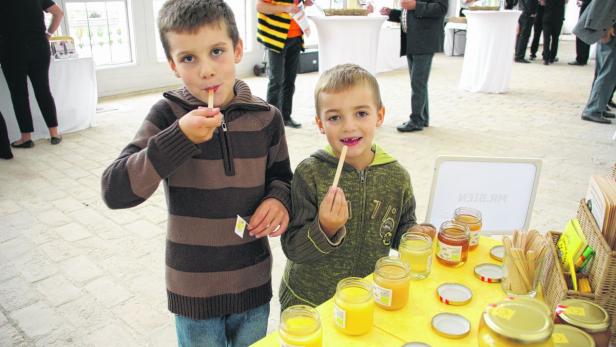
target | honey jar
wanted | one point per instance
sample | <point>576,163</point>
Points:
<point>353,306</point>
<point>513,323</point>
<point>300,326</point>
<point>391,283</point>
<point>587,316</point>
<point>416,251</point>
<point>452,245</point>
<point>472,219</point>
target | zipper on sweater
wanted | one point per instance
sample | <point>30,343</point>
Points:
<point>362,180</point>
<point>227,154</point>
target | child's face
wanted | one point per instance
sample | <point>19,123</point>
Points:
<point>350,117</point>
<point>206,60</point>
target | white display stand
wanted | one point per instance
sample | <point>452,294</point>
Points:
<point>488,58</point>
<point>73,86</point>
<point>503,189</point>
<point>348,39</point>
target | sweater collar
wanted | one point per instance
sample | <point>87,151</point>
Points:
<point>380,156</point>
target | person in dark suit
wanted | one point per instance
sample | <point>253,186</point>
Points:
<point>537,29</point>
<point>5,146</point>
<point>582,49</point>
<point>421,36</point>
<point>25,53</point>
<point>529,11</point>
<point>553,17</point>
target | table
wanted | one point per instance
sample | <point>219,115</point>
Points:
<point>488,58</point>
<point>73,85</point>
<point>388,55</point>
<point>412,323</point>
<point>348,39</point>
<point>451,31</point>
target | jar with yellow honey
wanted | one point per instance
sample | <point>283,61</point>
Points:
<point>452,244</point>
<point>416,251</point>
<point>300,326</point>
<point>472,219</point>
<point>513,323</point>
<point>391,283</point>
<point>353,306</point>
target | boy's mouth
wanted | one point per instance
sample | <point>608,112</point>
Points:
<point>351,141</point>
<point>212,88</point>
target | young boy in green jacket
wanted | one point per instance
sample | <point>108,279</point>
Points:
<point>338,232</point>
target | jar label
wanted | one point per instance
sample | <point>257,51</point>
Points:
<point>448,252</point>
<point>560,338</point>
<point>339,317</point>
<point>475,238</point>
<point>383,296</point>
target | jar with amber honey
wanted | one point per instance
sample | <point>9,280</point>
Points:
<point>472,219</point>
<point>391,283</point>
<point>513,323</point>
<point>300,326</point>
<point>587,316</point>
<point>452,244</point>
<point>353,306</point>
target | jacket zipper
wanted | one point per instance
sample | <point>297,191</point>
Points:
<point>227,154</point>
<point>362,180</point>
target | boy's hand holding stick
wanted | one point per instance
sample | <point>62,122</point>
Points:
<point>199,125</point>
<point>334,209</point>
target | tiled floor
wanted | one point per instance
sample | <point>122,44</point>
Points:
<point>73,272</point>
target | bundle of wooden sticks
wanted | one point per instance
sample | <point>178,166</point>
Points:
<point>524,257</point>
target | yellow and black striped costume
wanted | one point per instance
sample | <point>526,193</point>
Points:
<point>272,29</point>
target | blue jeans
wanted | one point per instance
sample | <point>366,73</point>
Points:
<point>233,330</point>
<point>419,69</point>
<point>605,80</point>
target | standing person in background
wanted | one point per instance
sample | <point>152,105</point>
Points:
<point>529,11</point>
<point>284,40</point>
<point>5,147</point>
<point>581,48</point>
<point>537,29</point>
<point>553,17</point>
<point>25,53</point>
<point>422,35</point>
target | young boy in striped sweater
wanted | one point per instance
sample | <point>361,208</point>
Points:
<point>218,163</point>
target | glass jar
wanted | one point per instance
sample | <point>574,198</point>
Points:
<point>452,245</point>
<point>300,326</point>
<point>353,306</point>
<point>512,323</point>
<point>587,316</point>
<point>472,219</point>
<point>569,336</point>
<point>391,283</point>
<point>416,251</point>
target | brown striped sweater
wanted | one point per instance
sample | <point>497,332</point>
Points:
<point>210,271</point>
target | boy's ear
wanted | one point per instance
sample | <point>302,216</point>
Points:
<point>380,116</point>
<point>239,51</point>
<point>319,124</point>
<point>173,67</point>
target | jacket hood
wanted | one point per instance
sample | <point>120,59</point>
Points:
<point>380,156</point>
<point>243,98</point>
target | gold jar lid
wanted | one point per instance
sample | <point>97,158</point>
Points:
<point>583,314</point>
<point>520,320</point>
<point>569,336</point>
<point>451,325</point>
<point>497,252</point>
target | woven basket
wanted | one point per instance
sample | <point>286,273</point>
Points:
<point>484,8</point>
<point>602,272</point>
<point>346,12</point>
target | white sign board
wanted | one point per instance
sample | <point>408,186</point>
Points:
<point>503,189</point>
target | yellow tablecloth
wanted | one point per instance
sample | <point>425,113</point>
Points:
<point>413,322</point>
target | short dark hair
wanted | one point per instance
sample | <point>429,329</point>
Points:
<point>190,15</point>
<point>343,77</point>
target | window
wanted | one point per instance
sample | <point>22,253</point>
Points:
<point>100,30</point>
<point>239,10</point>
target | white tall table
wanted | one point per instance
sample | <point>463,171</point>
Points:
<point>488,58</point>
<point>73,86</point>
<point>348,39</point>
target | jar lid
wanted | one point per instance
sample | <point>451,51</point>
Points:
<point>570,336</point>
<point>451,325</point>
<point>520,320</point>
<point>488,272</point>
<point>583,314</point>
<point>415,344</point>
<point>497,252</point>
<point>454,294</point>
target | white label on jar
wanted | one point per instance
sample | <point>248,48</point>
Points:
<point>339,317</point>
<point>448,252</point>
<point>475,237</point>
<point>383,296</point>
